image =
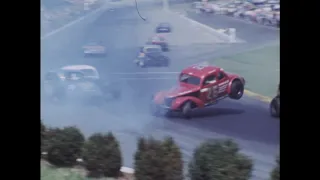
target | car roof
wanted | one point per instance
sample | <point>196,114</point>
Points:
<point>200,70</point>
<point>164,24</point>
<point>77,67</point>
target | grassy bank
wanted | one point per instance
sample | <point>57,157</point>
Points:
<point>260,67</point>
<point>50,173</point>
<point>55,14</point>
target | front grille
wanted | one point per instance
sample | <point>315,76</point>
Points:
<point>168,102</point>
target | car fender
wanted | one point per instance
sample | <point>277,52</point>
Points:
<point>179,101</point>
<point>158,98</point>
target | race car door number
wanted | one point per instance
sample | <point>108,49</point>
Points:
<point>213,92</point>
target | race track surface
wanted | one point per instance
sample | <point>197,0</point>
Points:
<point>246,120</point>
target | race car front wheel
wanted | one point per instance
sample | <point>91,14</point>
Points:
<point>186,110</point>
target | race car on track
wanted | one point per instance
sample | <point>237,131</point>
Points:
<point>199,86</point>
<point>151,55</point>
<point>275,105</point>
<point>94,49</point>
<point>78,83</point>
<point>163,28</point>
<point>159,40</point>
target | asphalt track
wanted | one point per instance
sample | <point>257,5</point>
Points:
<point>246,120</point>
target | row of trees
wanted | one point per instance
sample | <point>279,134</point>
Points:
<point>153,160</point>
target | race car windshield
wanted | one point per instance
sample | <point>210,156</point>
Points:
<point>73,76</point>
<point>186,78</point>
<point>88,72</point>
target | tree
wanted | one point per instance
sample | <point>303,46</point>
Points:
<point>102,156</point>
<point>148,160</point>
<point>275,174</point>
<point>219,159</point>
<point>64,146</point>
<point>172,160</point>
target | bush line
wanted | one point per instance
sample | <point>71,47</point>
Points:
<point>154,159</point>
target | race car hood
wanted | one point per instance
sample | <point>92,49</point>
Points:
<point>176,91</point>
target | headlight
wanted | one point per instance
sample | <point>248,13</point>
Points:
<point>168,101</point>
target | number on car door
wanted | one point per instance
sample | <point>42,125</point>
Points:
<point>209,90</point>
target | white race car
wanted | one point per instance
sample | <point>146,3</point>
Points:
<point>78,83</point>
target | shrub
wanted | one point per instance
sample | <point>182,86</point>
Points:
<point>148,160</point>
<point>64,146</point>
<point>173,160</point>
<point>219,159</point>
<point>158,160</point>
<point>275,174</point>
<point>42,135</point>
<point>102,156</point>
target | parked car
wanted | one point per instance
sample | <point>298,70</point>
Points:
<point>244,8</point>
<point>258,2</point>
<point>266,18</point>
<point>228,9</point>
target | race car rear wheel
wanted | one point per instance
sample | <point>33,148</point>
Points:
<point>274,107</point>
<point>237,89</point>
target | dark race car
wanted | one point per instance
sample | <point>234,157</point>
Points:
<point>163,28</point>
<point>94,49</point>
<point>151,55</point>
<point>159,40</point>
<point>275,105</point>
<point>78,83</point>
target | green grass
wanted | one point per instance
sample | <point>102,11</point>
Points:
<point>51,173</point>
<point>260,68</point>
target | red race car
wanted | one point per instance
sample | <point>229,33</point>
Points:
<point>159,40</point>
<point>199,86</point>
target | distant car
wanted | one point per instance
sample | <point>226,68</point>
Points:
<point>94,49</point>
<point>159,40</point>
<point>78,83</point>
<point>151,55</point>
<point>199,86</point>
<point>275,104</point>
<point>163,28</point>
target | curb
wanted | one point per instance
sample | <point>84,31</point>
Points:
<point>127,170</point>
<point>258,96</point>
